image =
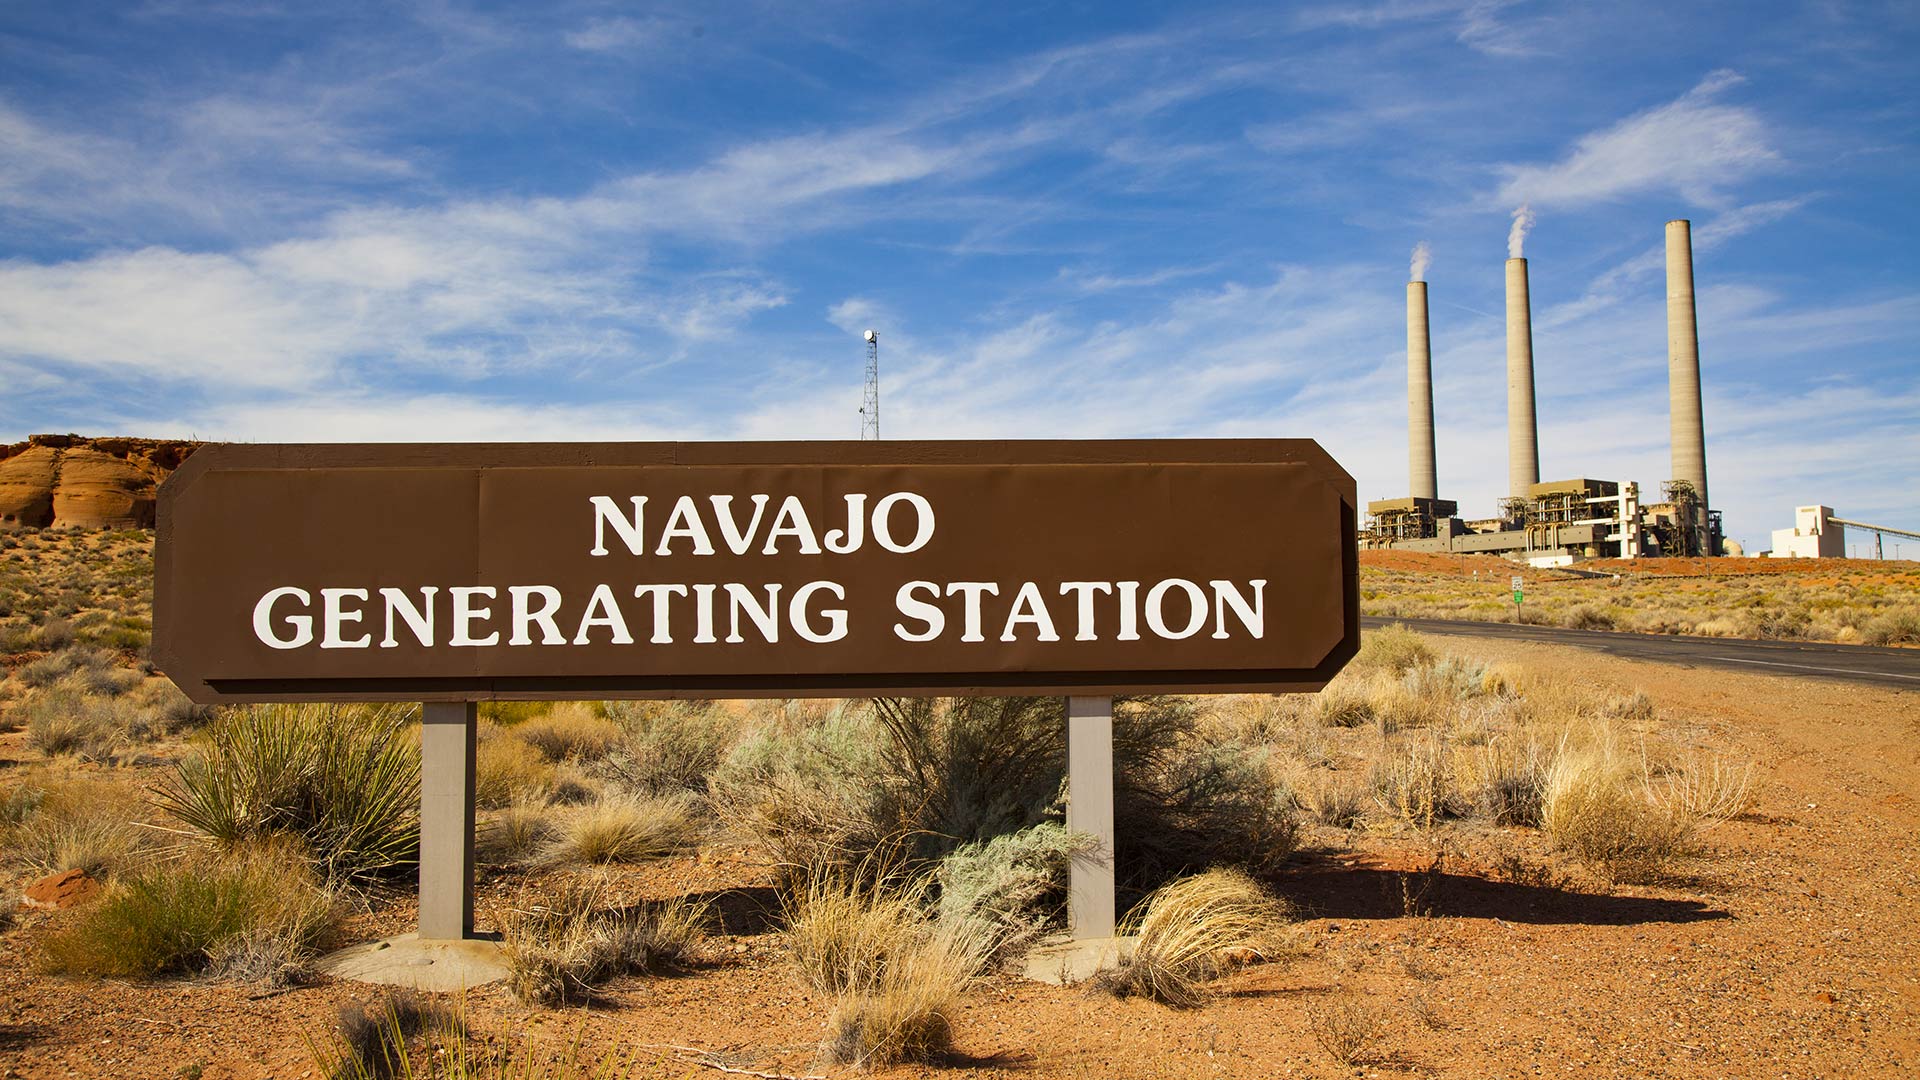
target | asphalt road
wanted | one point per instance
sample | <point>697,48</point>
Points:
<point>1897,668</point>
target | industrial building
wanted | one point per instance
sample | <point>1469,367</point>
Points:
<point>1561,521</point>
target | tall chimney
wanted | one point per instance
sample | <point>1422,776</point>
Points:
<point>1688,425</point>
<point>1422,477</point>
<point>1523,441</point>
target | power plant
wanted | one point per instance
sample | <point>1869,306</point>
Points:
<point>1560,521</point>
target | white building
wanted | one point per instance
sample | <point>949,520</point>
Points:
<point>1812,536</point>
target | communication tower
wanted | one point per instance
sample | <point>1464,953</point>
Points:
<point>870,405</point>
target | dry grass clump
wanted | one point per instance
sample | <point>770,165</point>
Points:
<point>570,730</point>
<point>1347,1029</point>
<point>621,828</point>
<point>905,1013</point>
<point>371,1042</point>
<point>79,824</point>
<point>1704,788</point>
<point>344,779</point>
<point>1192,932</point>
<point>1507,778</point>
<point>508,770</point>
<point>1415,779</point>
<point>1899,626</point>
<point>1596,804</point>
<point>564,949</point>
<point>1394,649</point>
<point>865,939</point>
<point>844,926</point>
<point>1333,801</point>
<point>515,834</point>
<point>187,914</point>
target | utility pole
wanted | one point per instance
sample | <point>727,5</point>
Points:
<point>870,404</point>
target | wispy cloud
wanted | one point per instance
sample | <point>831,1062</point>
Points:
<point>1693,146</point>
<point>616,34</point>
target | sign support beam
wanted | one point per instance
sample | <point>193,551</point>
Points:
<point>448,733</point>
<point>1090,905</point>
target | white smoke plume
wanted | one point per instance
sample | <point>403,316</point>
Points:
<point>1422,258</point>
<point>1517,236</point>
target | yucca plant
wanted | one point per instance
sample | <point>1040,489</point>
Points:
<point>344,779</point>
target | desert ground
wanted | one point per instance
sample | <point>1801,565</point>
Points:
<point>1852,601</point>
<point>1463,859</point>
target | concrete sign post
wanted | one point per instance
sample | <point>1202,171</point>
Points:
<point>1090,910</point>
<point>447,736</point>
<point>450,574</point>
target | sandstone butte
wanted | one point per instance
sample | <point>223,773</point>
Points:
<point>92,483</point>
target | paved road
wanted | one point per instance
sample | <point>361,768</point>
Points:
<point>1899,668</point>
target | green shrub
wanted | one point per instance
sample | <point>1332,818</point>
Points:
<point>1016,883</point>
<point>173,917</point>
<point>921,778</point>
<point>668,746</point>
<point>1392,648</point>
<point>345,779</point>
<point>810,792</point>
<point>1899,626</point>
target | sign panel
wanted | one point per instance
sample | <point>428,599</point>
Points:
<point>449,572</point>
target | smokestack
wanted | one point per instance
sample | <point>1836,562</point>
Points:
<point>1523,441</point>
<point>1688,424</point>
<point>1423,480</point>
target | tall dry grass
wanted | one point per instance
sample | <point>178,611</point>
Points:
<point>1193,931</point>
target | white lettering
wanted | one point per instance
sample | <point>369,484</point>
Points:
<point>856,530</point>
<point>465,614</point>
<point>836,617</point>
<point>737,541</point>
<point>606,512</point>
<point>883,521</point>
<point>1083,592</point>
<point>333,615</point>
<point>971,590</point>
<point>263,620</point>
<point>685,521</point>
<point>794,515</point>
<point>1196,608</point>
<point>1029,608</point>
<point>524,615</point>
<point>763,617</point>
<point>1252,616</point>
<point>603,610</point>
<point>930,614</point>
<point>1129,611</point>
<point>661,633</point>
<point>703,614</point>
<point>418,619</point>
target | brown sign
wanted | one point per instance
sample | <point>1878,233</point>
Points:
<point>446,572</point>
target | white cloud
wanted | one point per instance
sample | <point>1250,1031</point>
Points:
<point>1693,147</point>
<point>422,418</point>
<point>616,34</point>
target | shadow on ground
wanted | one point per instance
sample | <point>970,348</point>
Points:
<point>1330,889</point>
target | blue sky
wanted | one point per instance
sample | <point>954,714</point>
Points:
<point>585,220</point>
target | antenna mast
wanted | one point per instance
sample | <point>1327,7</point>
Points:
<point>870,405</point>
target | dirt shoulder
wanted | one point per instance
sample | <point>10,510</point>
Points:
<point>1789,952</point>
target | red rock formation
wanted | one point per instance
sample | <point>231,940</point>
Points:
<point>91,483</point>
